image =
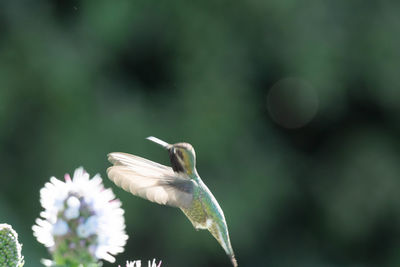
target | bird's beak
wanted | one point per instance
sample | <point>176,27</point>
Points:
<point>159,141</point>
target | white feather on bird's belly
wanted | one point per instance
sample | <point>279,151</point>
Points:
<point>205,225</point>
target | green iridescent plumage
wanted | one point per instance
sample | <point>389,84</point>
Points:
<point>179,186</point>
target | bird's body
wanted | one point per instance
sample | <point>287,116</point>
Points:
<point>179,186</point>
<point>205,213</point>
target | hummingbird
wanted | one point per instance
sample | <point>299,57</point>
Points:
<point>179,186</point>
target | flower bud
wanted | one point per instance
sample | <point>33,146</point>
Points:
<point>10,248</point>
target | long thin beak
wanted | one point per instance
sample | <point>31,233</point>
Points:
<point>159,141</point>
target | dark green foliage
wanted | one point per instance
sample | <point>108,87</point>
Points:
<point>80,79</point>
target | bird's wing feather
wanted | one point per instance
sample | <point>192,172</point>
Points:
<point>150,180</point>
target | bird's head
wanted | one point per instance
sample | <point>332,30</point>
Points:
<point>181,155</point>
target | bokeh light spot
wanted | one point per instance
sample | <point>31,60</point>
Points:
<point>292,103</point>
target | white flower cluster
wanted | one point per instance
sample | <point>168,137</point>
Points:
<point>80,215</point>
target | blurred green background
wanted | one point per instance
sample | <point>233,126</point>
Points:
<point>293,108</point>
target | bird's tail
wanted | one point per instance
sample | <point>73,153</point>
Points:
<point>233,260</point>
<point>220,232</point>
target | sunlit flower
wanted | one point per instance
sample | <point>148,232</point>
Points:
<point>153,263</point>
<point>139,263</point>
<point>82,221</point>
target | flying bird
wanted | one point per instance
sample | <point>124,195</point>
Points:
<point>179,186</point>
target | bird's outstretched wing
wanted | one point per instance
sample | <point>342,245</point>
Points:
<point>150,180</point>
